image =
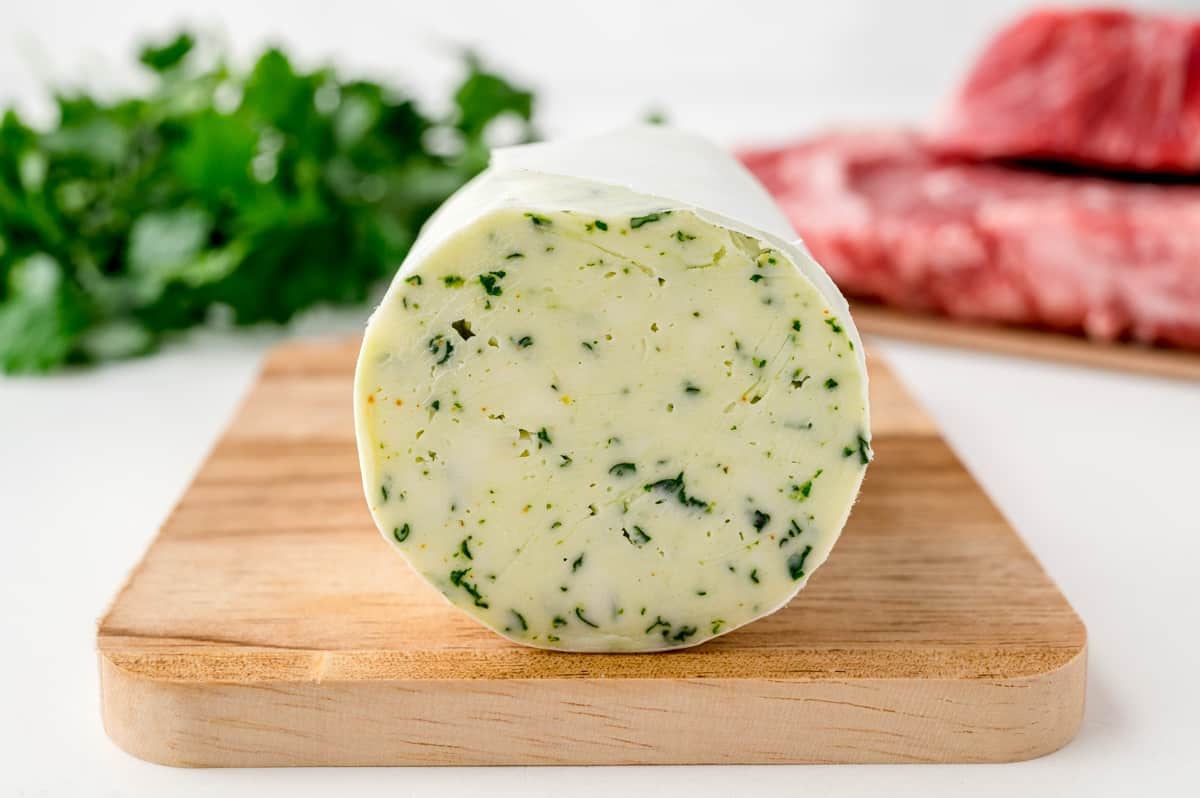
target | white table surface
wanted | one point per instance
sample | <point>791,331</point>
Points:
<point>1098,471</point>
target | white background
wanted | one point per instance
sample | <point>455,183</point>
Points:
<point>1098,471</point>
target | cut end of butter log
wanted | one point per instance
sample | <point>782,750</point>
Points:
<point>606,405</point>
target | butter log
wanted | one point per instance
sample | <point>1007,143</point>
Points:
<point>606,405</point>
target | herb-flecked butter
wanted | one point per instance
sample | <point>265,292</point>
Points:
<point>625,429</point>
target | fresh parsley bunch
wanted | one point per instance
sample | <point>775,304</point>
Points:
<point>252,196</point>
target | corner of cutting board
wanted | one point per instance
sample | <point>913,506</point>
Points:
<point>1058,695</point>
<point>140,714</point>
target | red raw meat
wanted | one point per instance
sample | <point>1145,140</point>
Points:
<point>1100,88</point>
<point>892,221</point>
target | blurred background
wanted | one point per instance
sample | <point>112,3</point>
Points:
<point>736,71</point>
<point>165,166</point>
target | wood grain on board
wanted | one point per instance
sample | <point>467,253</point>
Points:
<point>269,625</point>
<point>1179,364</point>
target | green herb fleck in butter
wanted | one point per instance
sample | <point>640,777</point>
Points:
<point>625,422</point>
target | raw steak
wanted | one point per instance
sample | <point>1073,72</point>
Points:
<point>1102,88</point>
<point>892,221</point>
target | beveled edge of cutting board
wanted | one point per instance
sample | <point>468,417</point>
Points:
<point>1047,345</point>
<point>215,724</point>
<point>187,706</point>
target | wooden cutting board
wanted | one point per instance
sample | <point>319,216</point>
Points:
<point>1153,361</point>
<point>269,625</point>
